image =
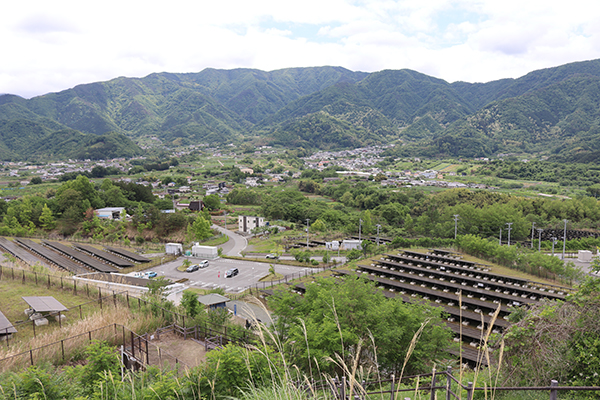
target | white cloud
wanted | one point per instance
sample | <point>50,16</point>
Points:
<point>51,46</point>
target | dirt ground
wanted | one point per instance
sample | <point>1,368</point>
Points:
<point>171,348</point>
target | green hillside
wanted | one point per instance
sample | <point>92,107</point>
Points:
<point>552,112</point>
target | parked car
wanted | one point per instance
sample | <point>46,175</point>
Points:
<point>272,256</point>
<point>203,264</point>
<point>192,268</point>
<point>151,274</point>
<point>231,273</point>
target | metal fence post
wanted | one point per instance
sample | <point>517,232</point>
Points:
<point>343,388</point>
<point>553,392</point>
<point>392,388</point>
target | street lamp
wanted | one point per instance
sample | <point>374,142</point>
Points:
<point>359,229</point>
<point>564,239</point>
<point>509,228</point>
<point>539,239</point>
<point>307,221</point>
<point>553,243</point>
<point>455,224</point>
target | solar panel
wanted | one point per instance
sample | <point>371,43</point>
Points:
<point>44,304</point>
<point>5,325</point>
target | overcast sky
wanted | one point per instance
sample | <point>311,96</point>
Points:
<point>48,46</point>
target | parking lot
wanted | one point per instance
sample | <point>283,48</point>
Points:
<point>213,276</point>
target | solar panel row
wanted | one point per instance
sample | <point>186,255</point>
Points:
<point>53,257</point>
<point>128,254</point>
<point>111,258</point>
<point>22,254</point>
<point>79,256</point>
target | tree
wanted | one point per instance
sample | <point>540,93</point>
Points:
<point>190,303</point>
<point>99,171</point>
<point>47,220</point>
<point>367,247</point>
<point>212,202</point>
<point>338,316</point>
<point>353,254</point>
<point>319,225</point>
<point>199,229</point>
<point>36,180</point>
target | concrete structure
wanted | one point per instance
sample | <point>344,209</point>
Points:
<point>247,223</point>
<point>113,213</point>
<point>584,256</point>
<point>174,248</point>
<point>208,252</point>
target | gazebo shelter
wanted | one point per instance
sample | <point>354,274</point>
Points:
<point>213,300</point>
<point>6,328</point>
<point>40,305</point>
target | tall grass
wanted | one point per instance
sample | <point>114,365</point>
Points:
<point>68,341</point>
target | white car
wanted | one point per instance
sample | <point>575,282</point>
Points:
<point>203,264</point>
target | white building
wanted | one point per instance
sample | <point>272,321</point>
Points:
<point>351,244</point>
<point>174,248</point>
<point>110,212</point>
<point>208,252</point>
<point>247,223</point>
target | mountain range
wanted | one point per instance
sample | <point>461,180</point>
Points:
<point>553,112</point>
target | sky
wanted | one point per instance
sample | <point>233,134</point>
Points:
<point>49,46</point>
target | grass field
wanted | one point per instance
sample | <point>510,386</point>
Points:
<point>13,306</point>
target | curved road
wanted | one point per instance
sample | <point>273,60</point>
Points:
<point>236,243</point>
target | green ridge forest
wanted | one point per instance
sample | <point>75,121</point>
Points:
<point>551,112</point>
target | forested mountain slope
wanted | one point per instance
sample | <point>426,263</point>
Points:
<point>552,111</point>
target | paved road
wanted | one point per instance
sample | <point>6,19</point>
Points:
<point>236,243</point>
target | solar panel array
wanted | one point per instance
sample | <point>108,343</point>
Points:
<point>22,254</point>
<point>53,257</point>
<point>111,258</point>
<point>81,257</point>
<point>128,254</point>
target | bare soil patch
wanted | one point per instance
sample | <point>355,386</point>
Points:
<point>172,348</point>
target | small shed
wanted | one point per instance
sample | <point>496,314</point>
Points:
<point>196,205</point>
<point>208,252</point>
<point>174,248</point>
<point>213,300</point>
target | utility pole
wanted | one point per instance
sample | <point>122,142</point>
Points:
<point>539,239</point>
<point>359,229</point>
<point>553,243</point>
<point>307,221</point>
<point>378,226</point>
<point>509,228</point>
<point>532,229</point>
<point>500,240</point>
<point>564,239</point>
<point>455,224</point>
